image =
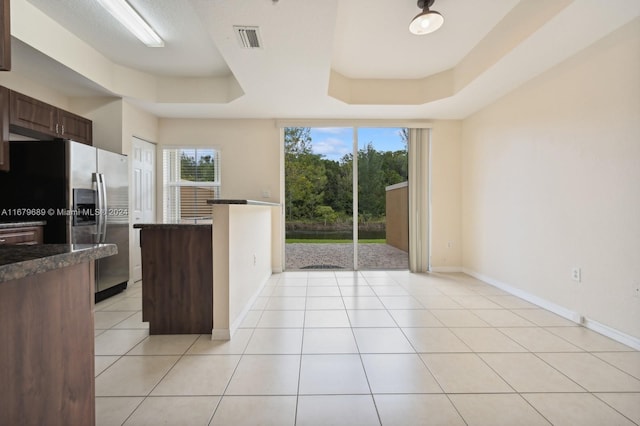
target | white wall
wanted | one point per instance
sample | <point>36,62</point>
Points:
<point>250,152</point>
<point>551,181</point>
<point>116,122</point>
<point>14,81</point>
<point>106,115</point>
<point>138,123</point>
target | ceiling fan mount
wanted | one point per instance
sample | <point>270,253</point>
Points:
<point>425,3</point>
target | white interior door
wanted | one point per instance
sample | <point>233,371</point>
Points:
<point>143,190</point>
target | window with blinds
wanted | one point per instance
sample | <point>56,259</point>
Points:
<point>191,177</point>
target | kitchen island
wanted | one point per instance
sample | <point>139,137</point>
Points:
<point>203,278</point>
<point>177,277</point>
<point>47,330</point>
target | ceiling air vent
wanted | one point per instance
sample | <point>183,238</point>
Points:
<point>249,37</point>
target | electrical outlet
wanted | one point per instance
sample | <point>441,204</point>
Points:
<point>449,244</point>
<point>576,274</point>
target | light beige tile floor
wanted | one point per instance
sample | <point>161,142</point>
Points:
<point>366,348</point>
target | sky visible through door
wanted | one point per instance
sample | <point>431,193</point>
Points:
<point>335,142</point>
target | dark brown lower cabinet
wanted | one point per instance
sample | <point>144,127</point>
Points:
<point>47,349</point>
<point>24,235</point>
<point>177,278</point>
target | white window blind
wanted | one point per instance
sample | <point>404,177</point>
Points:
<point>191,177</point>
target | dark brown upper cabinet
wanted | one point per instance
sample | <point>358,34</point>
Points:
<point>5,33</point>
<point>37,119</point>
<point>32,115</point>
<point>24,115</point>
<point>74,127</point>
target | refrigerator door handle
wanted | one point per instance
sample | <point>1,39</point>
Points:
<point>97,178</point>
<point>103,209</point>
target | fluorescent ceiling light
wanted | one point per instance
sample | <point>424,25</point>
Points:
<point>127,16</point>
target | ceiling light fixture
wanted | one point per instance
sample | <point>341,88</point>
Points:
<point>127,16</point>
<point>426,21</point>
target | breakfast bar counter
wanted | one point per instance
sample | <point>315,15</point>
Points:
<point>21,261</point>
<point>242,259</point>
<point>46,326</point>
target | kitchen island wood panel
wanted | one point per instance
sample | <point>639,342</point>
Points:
<point>177,278</point>
<point>46,324</point>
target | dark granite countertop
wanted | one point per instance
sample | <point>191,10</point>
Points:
<point>5,225</point>
<point>247,202</point>
<point>170,225</point>
<point>20,261</point>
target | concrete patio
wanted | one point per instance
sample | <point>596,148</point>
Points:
<point>340,256</point>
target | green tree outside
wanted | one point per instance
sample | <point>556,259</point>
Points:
<point>202,170</point>
<point>305,175</point>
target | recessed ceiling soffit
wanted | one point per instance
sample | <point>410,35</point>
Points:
<point>519,23</point>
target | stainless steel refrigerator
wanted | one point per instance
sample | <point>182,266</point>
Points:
<point>81,192</point>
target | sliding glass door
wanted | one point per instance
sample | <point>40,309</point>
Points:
<point>383,229</point>
<point>338,177</point>
<point>319,198</point>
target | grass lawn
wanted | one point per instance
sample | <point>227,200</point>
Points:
<point>323,241</point>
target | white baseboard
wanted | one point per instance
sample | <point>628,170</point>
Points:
<point>220,334</point>
<point>549,306</point>
<point>227,334</point>
<point>446,269</point>
<point>612,333</point>
<point>576,317</point>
